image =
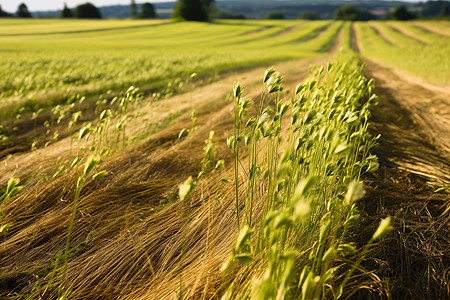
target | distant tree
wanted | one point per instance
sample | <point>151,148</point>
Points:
<point>351,13</point>
<point>66,12</point>
<point>401,13</point>
<point>87,11</point>
<point>445,10</point>
<point>133,9</point>
<point>22,11</point>
<point>3,13</point>
<point>275,15</point>
<point>220,14</point>
<point>147,11</point>
<point>308,15</point>
<point>432,9</point>
<point>346,12</point>
<point>193,10</point>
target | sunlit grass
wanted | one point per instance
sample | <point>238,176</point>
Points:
<point>429,61</point>
<point>44,69</point>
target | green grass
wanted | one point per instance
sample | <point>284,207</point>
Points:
<point>43,65</point>
<point>310,172</point>
<point>47,26</point>
<point>429,61</point>
<point>427,36</point>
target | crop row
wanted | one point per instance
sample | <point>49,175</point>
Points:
<point>409,47</point>
<point>296,204</point>
<point>48,69</point>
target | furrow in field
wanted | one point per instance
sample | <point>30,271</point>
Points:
<point>400,40</point>
<point>288,30</point>
<point>403,30</point>
<point>330,38</point>
<point>433,29</point>
<point>381,32</point>
<point>354,40</point>
<point>414,120</point>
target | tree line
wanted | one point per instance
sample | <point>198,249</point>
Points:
<point>86,11</point>
<point>204,10</point>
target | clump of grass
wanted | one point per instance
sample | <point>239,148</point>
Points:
<point>106,140</point>
<point>306,172</point>
<point>12,188</point>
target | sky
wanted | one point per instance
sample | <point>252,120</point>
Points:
<point>41,5</point>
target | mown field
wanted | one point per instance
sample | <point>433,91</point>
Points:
<point>229,160</point>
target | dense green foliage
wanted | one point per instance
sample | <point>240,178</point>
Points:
<point>87,11</point>
<point>3,13</point>
<point>133,9</point>
<point>310,172</point>
<point>220,14</point>
<point>66,12</point>
<point>308,15</point>
<point>401,13</point>
<point>434,8</point>
<point>193,10</point>
<point>275,15</point>
<point>22,11</point>
<point>445,10</point>
<point>351,13</point>
<point>147,11</point>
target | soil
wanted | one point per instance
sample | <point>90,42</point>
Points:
<point>414,123</point>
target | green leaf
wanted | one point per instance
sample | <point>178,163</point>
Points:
<point>355,192</point>
<point>384,228</point>
<point>91,163</point>
<point>184,132</point>
<point>346,249</point>
<point>329,254</point>
<point>231,142</point>
<point>227,264</point>
<point>304,187</point>
<point>442,190</point>
<point>219,164</point>
<point>186,188</point>
<point>5,228</point>
<point>237,91</point>
<point>282,219</point>
<point>84,131</point>
<point>299,88</point>
<point>229,292</point>
<point>243,258</point>
<point>308,286</point>
<point>269,72</point>
<point>250,122</point>
<point>324,230</point>
<point>243,237</point>
<point>100,175</point>
<point>343,148</point>
<point>74,162</point>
